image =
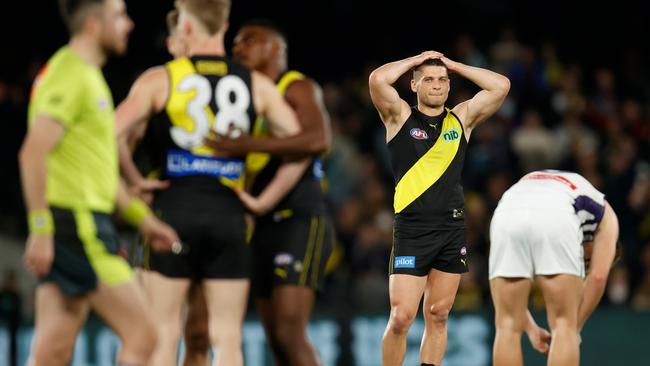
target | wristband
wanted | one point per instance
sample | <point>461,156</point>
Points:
<point>135,212</point>
<point>40,222</point>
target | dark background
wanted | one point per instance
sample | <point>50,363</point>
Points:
<point>601,73</point>
<point>337,38</point>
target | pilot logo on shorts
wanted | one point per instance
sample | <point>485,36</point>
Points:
<point>283,259</point>
<point>463,251</point>
<point>405,262</point>
<point>419,134</point>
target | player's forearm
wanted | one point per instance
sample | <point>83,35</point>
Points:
<point>530,321</point>
<point>593,290</point>
<point>389,73</point>
<point>302,143</point>
<point>33,172</point>
<point>287,176</point>
<point>129,171</point>
<point>485,79</point>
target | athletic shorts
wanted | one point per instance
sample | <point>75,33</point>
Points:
<point>526,243</point>
<point>85,251</point>
<point>214,245</point>
<point>290,251</point>
<point>417,251</point>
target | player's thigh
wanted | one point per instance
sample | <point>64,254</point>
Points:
<point>226,300</point>
<point>562,296</point>
<point>196,323</point>
<point>292,304</point>
<point>58,317</point>
<point>510,297</point>
<point>441,289</point>
<point>123,307</point>
<point>167,295</point>
<point>405,291</point>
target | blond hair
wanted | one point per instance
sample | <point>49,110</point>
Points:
<point>212,14</point>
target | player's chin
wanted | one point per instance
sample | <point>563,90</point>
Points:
<point>120,48</point>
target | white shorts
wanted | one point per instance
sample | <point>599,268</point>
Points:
<point>527,243</point>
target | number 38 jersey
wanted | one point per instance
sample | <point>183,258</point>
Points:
<point>207,94</point>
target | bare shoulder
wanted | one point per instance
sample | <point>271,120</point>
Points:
<point>260,81</point>
<point>153,75</point>
<point>263,90</point>
<point>303,90</point>
<point>153,84</point>
<point>460,111</point>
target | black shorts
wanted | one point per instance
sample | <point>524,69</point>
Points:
<point>292,251</point>
<point>85,252</point>
<point>214,245</point>
<point>416,251</point>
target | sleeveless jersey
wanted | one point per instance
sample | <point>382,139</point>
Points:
<point>306,197</point>
<point>427,157</point>
<point>207,94</point>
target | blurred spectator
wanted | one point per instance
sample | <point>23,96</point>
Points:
<point>534,143</point>
<point>618,288</point>
<point>571,134</point>
<point>469,296</point>
<point>641,299</point>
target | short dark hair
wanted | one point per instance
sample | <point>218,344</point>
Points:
<point>72,12</point>
<point>429,62</point>
<point>269,24</point>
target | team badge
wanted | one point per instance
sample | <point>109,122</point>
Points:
<point>419,134</point>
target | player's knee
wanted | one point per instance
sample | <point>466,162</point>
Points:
<point>225,334</point>
<point>438,313</point>
<point>52,350</point>
<point>509,323</point>
<point>141,339</point>
<point>401,320</point>
<point>288,334</point>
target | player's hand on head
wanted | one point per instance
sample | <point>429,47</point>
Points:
<point>428,55</point>
<point>39,254</point>
<point>161,236</point>
<point>540,339</point>
<point>451,65</point>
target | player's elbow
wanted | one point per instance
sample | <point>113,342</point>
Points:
<point>26,153</point>
<point>320,145</point>
<point>504,86</point>
<point>598,279</point>
<point>376,78</point>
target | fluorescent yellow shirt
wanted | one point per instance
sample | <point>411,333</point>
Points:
<point>82,169</point>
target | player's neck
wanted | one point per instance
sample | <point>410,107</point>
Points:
<point>88,50</point>
<point>274,70</point>
<point>431,111</point>
<point>209,46</point>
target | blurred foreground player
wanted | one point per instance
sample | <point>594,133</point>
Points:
<point>70,180</point>
<point>189,98</point>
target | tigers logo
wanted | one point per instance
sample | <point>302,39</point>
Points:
<point>419,134</point>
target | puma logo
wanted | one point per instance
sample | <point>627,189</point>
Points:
<point>464,262</point>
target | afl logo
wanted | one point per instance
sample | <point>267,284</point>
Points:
<point>418,134</point>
